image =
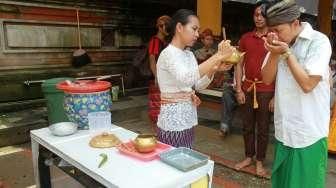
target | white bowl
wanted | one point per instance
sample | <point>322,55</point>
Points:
<point>63,128</point>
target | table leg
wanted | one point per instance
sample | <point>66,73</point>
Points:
<point>35,154</point>
<point>210,174</point>
<point>44,170</point>
<point>41,170</point>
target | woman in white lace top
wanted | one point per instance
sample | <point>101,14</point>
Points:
<point>179,75</point>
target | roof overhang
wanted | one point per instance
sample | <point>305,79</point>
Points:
<point>311,6</point>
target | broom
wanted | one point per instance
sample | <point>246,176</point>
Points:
<point>80,57</point>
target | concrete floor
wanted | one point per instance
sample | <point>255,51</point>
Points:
<point>16,166</point>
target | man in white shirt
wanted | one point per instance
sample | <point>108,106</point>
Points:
<point>298,60</point>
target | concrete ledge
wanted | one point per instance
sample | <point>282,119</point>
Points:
<point>21,105</point>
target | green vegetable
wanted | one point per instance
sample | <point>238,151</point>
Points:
<point>103,161</point>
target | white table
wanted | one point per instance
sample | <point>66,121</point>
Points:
<point>120,170</point>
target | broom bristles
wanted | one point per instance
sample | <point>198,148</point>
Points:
<point>81,60</point>
<point>79,52</point>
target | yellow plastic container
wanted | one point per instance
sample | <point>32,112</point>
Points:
<point>332,131</point>
<point>201,183</point>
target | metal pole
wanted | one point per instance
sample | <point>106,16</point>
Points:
<point>100,77</point>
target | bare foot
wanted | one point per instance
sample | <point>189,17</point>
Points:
<point>246,162</point>
<point>223,133</point>
<point>260,170</point>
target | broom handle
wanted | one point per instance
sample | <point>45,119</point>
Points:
<point>224,33</point>
<point>78,30</point>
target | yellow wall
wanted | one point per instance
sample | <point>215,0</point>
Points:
<point>210,15</point>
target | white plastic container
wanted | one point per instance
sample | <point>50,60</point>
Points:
<point>99,121</point>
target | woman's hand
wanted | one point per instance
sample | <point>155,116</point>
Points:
<point>225,50</point>
<point>196,100</point>
<point>213,64</point>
